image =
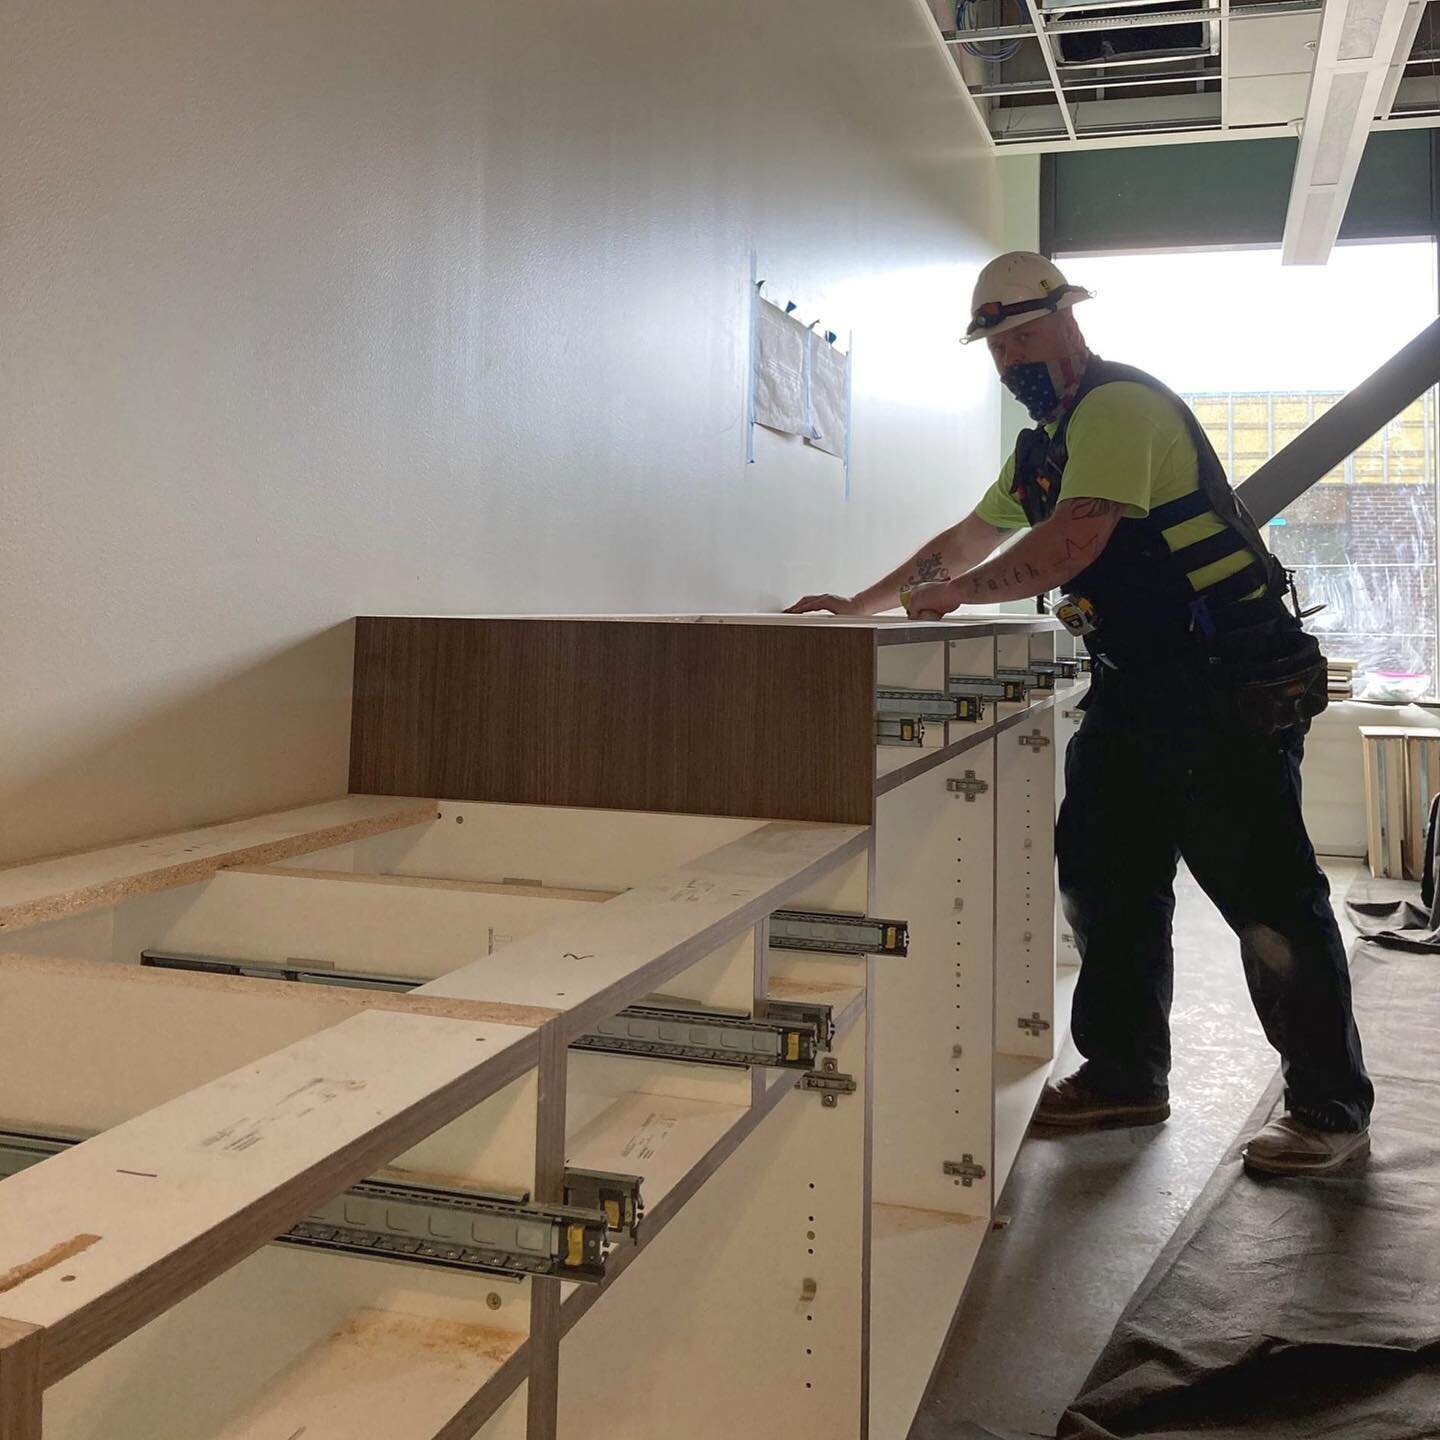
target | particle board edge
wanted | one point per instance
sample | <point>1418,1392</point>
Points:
<point>345,1000</point>
<point>142,867</point>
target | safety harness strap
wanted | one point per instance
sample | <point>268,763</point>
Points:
<point>1212,495</point>
<point>1187,507</point>
<point>1205,552</point>
<point>1235,587</point>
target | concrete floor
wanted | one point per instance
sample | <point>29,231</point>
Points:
<point>1089,1213</point>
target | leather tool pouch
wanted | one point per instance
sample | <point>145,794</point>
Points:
<point>1270,675</point>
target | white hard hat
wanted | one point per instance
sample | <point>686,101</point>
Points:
<point>1015,289</point>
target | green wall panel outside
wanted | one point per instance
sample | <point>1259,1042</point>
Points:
<point>1227,193</point>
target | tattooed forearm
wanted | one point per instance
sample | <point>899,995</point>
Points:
<point>1053,553</point>
<point>1092,509</point>
<point>1074,550</point>
<point>1026,576</point>
<point>927,568</point>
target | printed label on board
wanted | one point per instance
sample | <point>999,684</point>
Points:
<point>654,1130</point>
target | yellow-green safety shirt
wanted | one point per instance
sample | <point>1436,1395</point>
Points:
<point>1129,444</point>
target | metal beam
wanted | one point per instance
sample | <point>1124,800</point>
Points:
<point>1121,21</point>
<point>1063,7</point>
<point>1409,28</point>
<point>1225,16</point>
<point>1153,57</point>
<point>1346,426</point>
<point>1428,120</point>
<point>1123,113</point>
<point>1097,82</point>
<point>1047,54</point>
<point>995,32</point>
<point>1187,132</point>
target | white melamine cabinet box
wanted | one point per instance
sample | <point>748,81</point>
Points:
<point>383,1008</point>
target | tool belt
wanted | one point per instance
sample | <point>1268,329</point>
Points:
<point>1267,673</point>
<point>1261,672</point>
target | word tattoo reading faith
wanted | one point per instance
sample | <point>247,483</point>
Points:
<point>1060,565</point>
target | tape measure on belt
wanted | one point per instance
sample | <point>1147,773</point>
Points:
<point>1077,615</point>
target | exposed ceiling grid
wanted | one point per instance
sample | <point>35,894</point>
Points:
<point>1105,74</point>
<point>1089,74</point>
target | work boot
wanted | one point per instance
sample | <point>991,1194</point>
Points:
<point>1070,1104</point>
<point>1288,1146</point>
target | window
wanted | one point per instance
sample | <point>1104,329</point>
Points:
<point>1259,351</point>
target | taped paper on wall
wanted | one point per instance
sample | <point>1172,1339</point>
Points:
<point>829,396</point>
<point>780,402</point>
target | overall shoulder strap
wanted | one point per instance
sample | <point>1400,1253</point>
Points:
<point>1214,492</point>
<point>1035,482</point>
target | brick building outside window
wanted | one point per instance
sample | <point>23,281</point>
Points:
<point>1362,541</point>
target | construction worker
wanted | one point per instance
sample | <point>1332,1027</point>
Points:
<point>1190,746</point>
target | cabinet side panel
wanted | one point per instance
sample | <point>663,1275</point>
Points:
<point>745,1314</point>
<point>934,1009</point>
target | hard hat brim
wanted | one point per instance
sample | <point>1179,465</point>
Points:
<point>1014,322</point>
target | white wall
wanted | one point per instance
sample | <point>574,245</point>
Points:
<point>1020,212</point>
<point>1019,230</point>
<point>310,310</point>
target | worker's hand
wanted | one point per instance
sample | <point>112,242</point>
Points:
<point>930,600</point>
<point>835,604</point>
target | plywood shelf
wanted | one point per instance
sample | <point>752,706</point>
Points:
<point>44,890</point>
<point>383,1373</point>
<point>508,888</point>
<point>310,1120</point>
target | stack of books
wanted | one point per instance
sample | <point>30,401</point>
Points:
<point>1341,681</point>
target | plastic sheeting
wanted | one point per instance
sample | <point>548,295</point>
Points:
<point>1394,914</point>
<point>1297,1309</point>
<point>1366,551</point>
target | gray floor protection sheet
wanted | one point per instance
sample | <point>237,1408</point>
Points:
<point>1303,1308</point>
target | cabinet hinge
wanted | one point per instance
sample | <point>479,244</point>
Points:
<point>965,1170</point>
<point>829,1082</point>
<point>970,785</point>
